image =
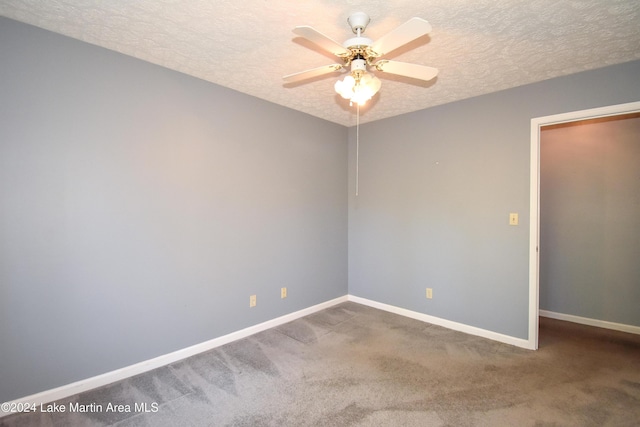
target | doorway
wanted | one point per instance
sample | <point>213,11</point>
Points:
<point>537,124</point>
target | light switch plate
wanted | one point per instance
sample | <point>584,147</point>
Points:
<point>513,219</point>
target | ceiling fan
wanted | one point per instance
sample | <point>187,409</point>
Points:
<point>361,54</point>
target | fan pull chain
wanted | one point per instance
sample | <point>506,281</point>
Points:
<point>357,145</point>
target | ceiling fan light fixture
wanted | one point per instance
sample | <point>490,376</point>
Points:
<point>344,88</point>
<point>358,89</point>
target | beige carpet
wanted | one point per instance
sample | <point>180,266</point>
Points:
<point>352,365</point>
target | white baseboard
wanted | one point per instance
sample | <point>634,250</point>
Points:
<point>157,362</point>
<point>147,365</point>
<point>591,322</point>
<point>461,327</point>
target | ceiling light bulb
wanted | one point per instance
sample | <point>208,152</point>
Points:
<point>344,90</point>
<point>361,95</point>
<point>349,81</point>
<point>360,90</point>
<point>359,100</point>
<point>347,94</point>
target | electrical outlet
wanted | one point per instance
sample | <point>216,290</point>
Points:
<point>252,301</point>
<point>429,293</point>
<point>283,292</point>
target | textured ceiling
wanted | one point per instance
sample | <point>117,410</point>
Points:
<point>479,46</point>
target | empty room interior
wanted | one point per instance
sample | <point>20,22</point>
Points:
<point>194,230</point>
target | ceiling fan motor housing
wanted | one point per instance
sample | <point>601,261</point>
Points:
<point>357,42</point>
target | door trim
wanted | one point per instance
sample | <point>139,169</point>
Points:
<point>534,204</point>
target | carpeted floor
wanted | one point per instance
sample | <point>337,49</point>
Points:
<point>352,365</point>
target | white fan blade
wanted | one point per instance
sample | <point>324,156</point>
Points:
<point>321,40</point>
<point>314,72</point>
<point>405,33</point>
<point>405,69</point>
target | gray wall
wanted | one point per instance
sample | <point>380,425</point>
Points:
<point>590,220</point>
<point>139,209</point>
<point>436,189</point>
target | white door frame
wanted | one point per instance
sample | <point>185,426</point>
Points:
<point>534,224</point>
